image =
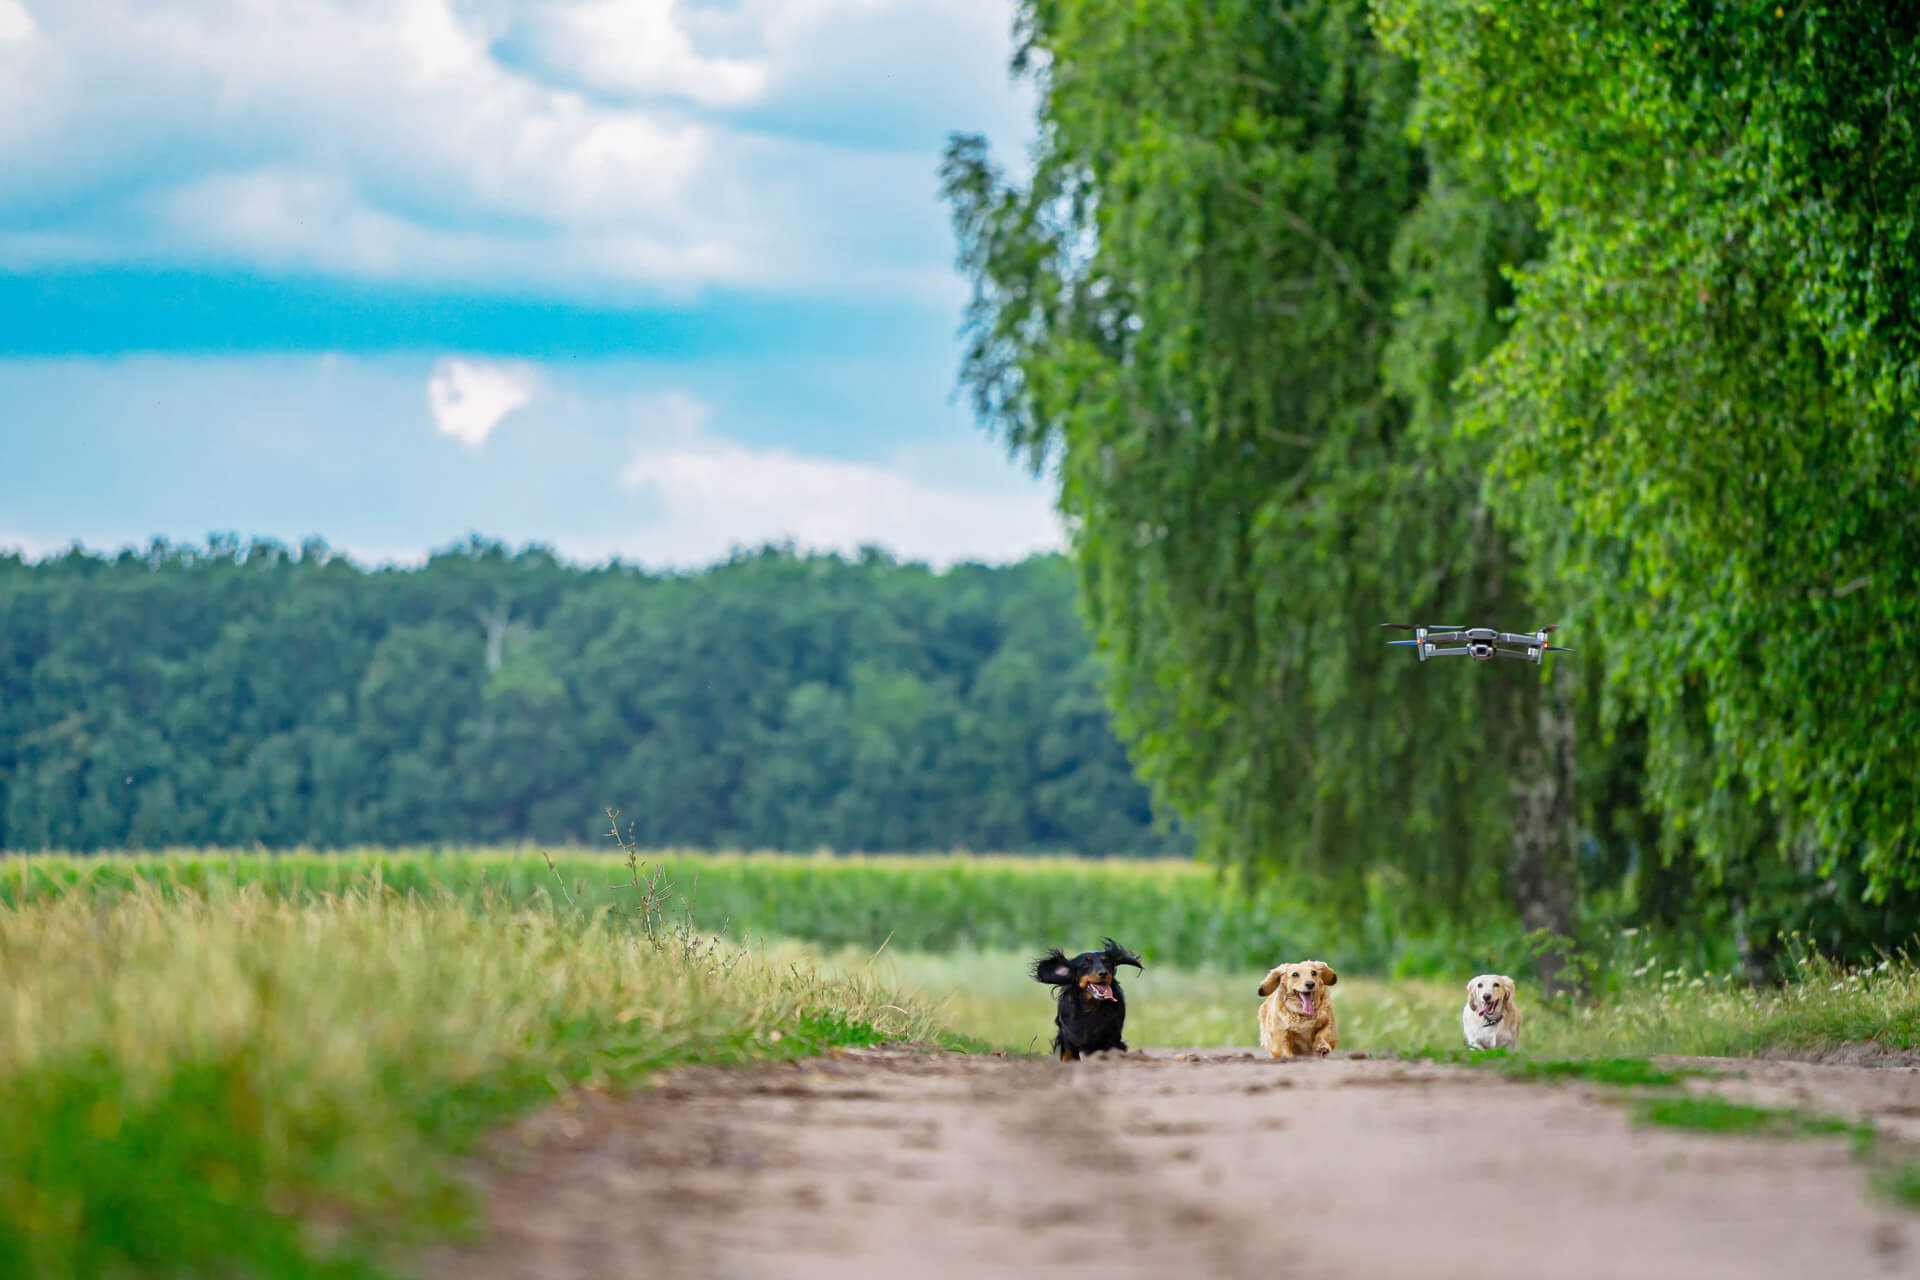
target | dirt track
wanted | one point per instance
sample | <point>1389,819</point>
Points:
<point>1209,1164</point>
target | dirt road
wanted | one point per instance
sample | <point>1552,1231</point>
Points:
<point>1208,1164</point>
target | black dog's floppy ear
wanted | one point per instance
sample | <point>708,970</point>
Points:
<point>1118,955</point>
<point>1053,969</point>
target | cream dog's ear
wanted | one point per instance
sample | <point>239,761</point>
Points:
<point>1507,982</point>
<point>1470,982</point>
<point>1327,975</point>
<point>1273,981</point>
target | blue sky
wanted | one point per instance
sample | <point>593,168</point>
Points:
<point>646,278</point>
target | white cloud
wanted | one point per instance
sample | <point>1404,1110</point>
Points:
<point>470,398</point>
<point>15,22</point>
<point>640,48</point>
<point>591,147</point>
<point>716,494</point>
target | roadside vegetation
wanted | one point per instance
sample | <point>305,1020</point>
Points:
<point>961,929</point>
<point>239,1082</point>
<point>278,1062</point>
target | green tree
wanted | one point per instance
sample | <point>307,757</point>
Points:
<point>245,694</point>
<point>1229,306</point>
<point>1707,415</point>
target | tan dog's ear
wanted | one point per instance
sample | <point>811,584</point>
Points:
<point>1273,981</point>
<point>1327,975</point>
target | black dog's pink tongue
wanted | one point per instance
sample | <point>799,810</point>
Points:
<point>1100,991</point>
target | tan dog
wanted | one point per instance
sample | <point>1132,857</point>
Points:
<point>1296,1017</point>
<point>1491,1018</point>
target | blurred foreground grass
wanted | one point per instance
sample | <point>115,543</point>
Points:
<point>238,1084</point>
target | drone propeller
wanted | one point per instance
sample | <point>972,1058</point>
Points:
<point>1411,626</point>
<point>1403,642</point>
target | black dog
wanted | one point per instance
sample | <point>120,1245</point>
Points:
<point>1093,1010</point>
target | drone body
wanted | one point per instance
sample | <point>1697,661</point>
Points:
<point>1482,644</point>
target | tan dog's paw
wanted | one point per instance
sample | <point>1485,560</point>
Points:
<point>1324,1050</point>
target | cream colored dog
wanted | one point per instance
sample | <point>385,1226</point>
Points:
<point>1491,1018</point>
<point>1296,1017</point>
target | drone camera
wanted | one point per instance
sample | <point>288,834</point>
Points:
<point>1482,644</point>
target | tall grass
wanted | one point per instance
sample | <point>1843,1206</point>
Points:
<point>1822,1007</point>
<point>236,1082</point>
<point>1172,911</point>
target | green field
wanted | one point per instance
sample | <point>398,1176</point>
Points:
<point>1174,912</point>
<point>276,1062</point>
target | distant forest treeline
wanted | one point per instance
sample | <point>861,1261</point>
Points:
<point>255,695</point>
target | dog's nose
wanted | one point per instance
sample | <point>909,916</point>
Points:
<point>1309,986</point>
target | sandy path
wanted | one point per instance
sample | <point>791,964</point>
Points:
<point>1210,1164</point>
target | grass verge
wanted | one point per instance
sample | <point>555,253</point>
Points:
<point>1823,1007</point>
<point>237,1084</point>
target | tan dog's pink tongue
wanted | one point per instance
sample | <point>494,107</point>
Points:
<point>1306,1003</point>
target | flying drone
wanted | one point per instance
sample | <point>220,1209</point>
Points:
<point>1479,643</point>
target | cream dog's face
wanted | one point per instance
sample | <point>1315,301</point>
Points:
<point>1490,993</point>
<point>1305,982</point>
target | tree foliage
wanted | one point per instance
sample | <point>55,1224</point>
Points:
<point>1227,304</point>
<point>247,695</point>
<point>1487,310</point>
<point>1707,415</point>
